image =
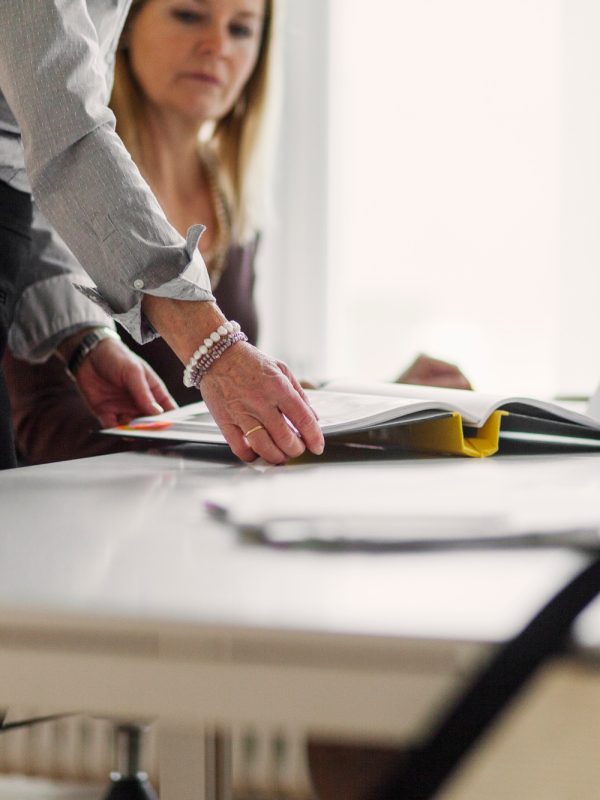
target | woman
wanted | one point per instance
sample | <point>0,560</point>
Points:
<point>193,126</point>
<point>164,99</point>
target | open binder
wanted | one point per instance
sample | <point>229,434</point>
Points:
<point>405,418</point>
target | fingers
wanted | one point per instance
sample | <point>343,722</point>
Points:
<point>297,386</point>
<point>238,444</point>
<point>302,415</point>
<point>272,437</point>
<point>159,390</point>
<point>303,418</point>
<point>456,381</point>
<point>442,373</point>
<point>108,420</point>
<point>112,417</point>
<point>448,380</point>
<point>137,385</point>
<point>262,444</point>
<point>290,436</point>
<point>428,371</point>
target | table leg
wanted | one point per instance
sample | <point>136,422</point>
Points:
<point>128,780</point>
<point>194,765</point>
<point>217,760</point>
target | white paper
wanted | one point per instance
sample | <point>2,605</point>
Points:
<point>463,500</point>
<point>347,407</point>
<point>474,407</point>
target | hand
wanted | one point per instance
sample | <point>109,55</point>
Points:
<point>118,386</point>
<point>427,371</point>
<point>245,389</point>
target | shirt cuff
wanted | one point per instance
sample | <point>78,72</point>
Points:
<point>46,313</point>
<point>192,284</point>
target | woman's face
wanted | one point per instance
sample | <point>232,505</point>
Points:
<point>194,57</point>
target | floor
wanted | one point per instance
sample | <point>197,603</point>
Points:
<point>18,788</point>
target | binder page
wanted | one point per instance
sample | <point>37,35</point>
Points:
<point>474,407</point>
<point>338,413</point>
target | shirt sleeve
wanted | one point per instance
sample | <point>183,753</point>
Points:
<point>53,74</point>
<point>50,307</point>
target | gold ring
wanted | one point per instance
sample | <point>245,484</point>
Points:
<point>254,429</point>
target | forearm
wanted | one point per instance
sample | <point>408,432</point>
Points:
<point>182,324</point>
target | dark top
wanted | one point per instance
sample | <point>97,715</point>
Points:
<point>52,422</point>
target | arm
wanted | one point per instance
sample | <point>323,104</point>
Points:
<point>49,307</point>
<point>54,76</point>
<point>52,315</point>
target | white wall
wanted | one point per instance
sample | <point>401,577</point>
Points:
<point>292,289</point>
<point>446,172</point>
<point>579,316</point>
<point>439,190</point>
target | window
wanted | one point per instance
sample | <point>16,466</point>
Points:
<point>443,192</point>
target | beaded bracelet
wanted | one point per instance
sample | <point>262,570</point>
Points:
<point>223,331</point>
<point>213,355</point>
<point>207,360</point>
<point>212,348</point>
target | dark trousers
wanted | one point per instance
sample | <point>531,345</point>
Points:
<point>15,244</point>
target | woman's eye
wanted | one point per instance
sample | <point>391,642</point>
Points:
<point>240,31</point>
<point>186,17</point>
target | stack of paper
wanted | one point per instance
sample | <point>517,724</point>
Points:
<point>415,504</point>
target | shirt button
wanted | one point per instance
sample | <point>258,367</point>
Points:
<point>138,283</point>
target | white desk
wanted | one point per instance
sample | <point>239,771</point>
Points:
<point>120,596</point>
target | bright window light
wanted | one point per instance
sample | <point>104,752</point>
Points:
<point>449,231</point>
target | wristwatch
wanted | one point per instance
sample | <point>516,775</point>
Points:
<point>90,341</point>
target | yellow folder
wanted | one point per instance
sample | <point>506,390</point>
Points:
<point>444,436</point>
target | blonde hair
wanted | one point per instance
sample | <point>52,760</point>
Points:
<point>238,142</point>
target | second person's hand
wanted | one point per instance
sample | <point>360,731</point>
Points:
<point>116,384</point>
<point>428,371</point>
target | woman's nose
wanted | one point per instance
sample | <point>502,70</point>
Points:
<point>213,41</point>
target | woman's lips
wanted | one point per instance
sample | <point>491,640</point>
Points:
<point>203,77</point>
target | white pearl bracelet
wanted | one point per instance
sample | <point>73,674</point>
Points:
<point>224,332</point>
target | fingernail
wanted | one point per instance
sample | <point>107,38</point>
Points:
<point>157,407</point>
